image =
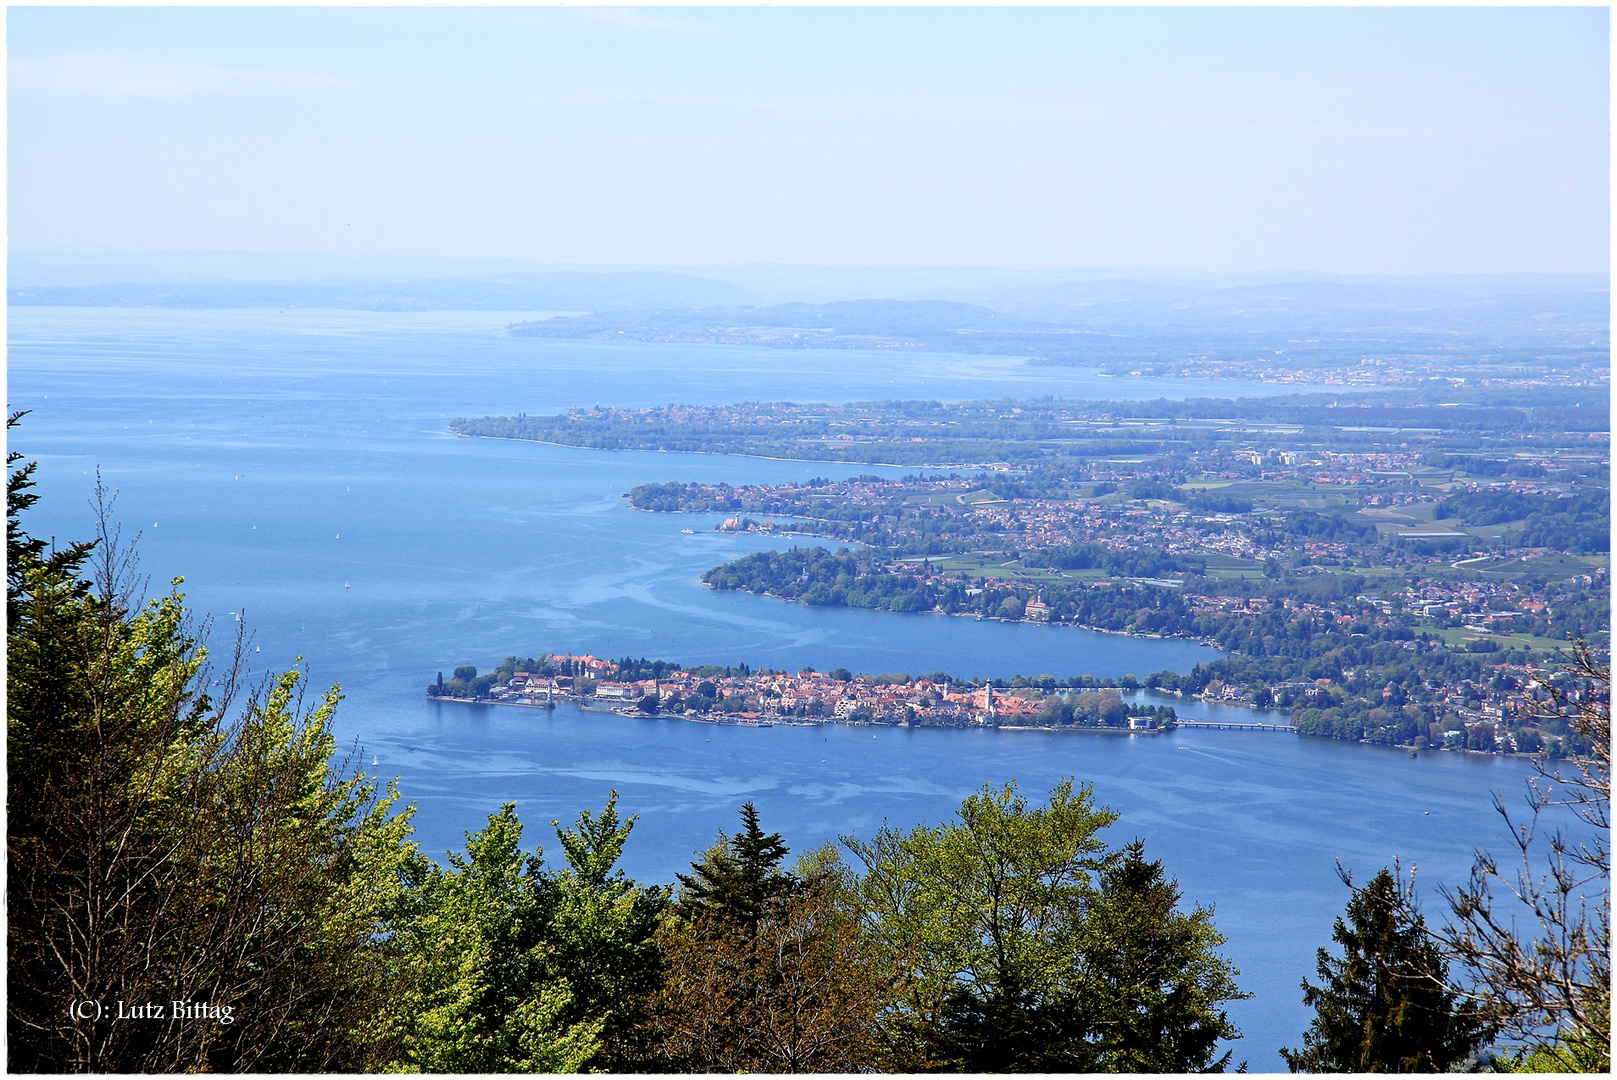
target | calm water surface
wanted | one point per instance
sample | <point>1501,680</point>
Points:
<point>294,467</point>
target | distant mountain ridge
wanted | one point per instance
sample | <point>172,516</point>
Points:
<point>846,324</point>
<point>560,290</point>
<point>1280,327</point>
<point>1358,332</point>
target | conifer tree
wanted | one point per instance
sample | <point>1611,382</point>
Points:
<point>166,844</point>
<point>1384,1005</point>
<point>1154,982</point>
<point>27,554</point>
<point>739,878</point>
<point>765,968</point>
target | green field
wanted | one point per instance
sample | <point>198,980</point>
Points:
<point>995,566</point>
<point>1551,567</point>
<point>1227,567</point>
<point>1464,635</point>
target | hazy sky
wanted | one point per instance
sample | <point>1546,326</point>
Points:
<point>1344,140</point>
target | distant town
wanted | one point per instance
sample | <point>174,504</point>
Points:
<point>741,695</point>
<point>1494,715</point>
<point>1400,571</point>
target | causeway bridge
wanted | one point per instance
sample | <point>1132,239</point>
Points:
<point>1224,725</point>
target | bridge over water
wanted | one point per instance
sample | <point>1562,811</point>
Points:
<point>1222,725</point>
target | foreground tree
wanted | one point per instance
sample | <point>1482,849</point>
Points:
<point>740,878</point>
<point>1028,947</point>
<point>509,968</point>
<point>1384,1005</point>
<point>1549,990</point>
<point>478,997</point>
<point>165,846</point>
<point>601,929</point>
<point>27,555</point>
<point>766,970</point>
<point>1154,982</point>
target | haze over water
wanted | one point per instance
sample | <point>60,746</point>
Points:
<point>295,467</point>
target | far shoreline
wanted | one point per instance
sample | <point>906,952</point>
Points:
<point>1067,729</point>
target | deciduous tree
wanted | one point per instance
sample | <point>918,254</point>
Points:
<point>509,967</point>
<point>476,994</point>
<point>1548,989</point>
<point>1029,947</point>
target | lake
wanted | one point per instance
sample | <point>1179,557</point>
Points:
<point>296,469</point>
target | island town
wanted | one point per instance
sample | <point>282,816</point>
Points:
<point>741,695</point>
<point>1510,711</point>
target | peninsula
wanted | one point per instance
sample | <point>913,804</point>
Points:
<point>1406,571</point>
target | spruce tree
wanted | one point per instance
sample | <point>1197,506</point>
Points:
<point>27,554</point>
<point>1154,981</point>
<point>1385,1004</point>
<point>739,878</point>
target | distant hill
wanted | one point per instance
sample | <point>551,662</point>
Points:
<point>1275,327</point>
<point>1349,332</point>
<point>1451,303</point>
<point>560,290</point>
<point>846,324</point>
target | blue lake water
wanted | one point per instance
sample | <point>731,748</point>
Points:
<point>295,468</point>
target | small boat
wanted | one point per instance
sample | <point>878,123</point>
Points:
<point>375,762</point>
<point>345,584</point>
<point>688,532</point>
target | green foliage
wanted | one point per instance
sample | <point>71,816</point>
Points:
<point>1216,502</point>
<point>632,670</point>
<point>25,553</point>
<point>1154,982</point>
<point>1574,1049</point>
<point>739,879</point>
<point>1307,523</point>
<point>1384,1005</point>
<point>467,683</point>
<point>601,930</point>
<point>163,841</point>
<point>479,996</point>
<point>1025,942</point>
<point>1580,523</point>
<point>1488,506</point>
<point>668,498</point>
<point>512,969</point>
